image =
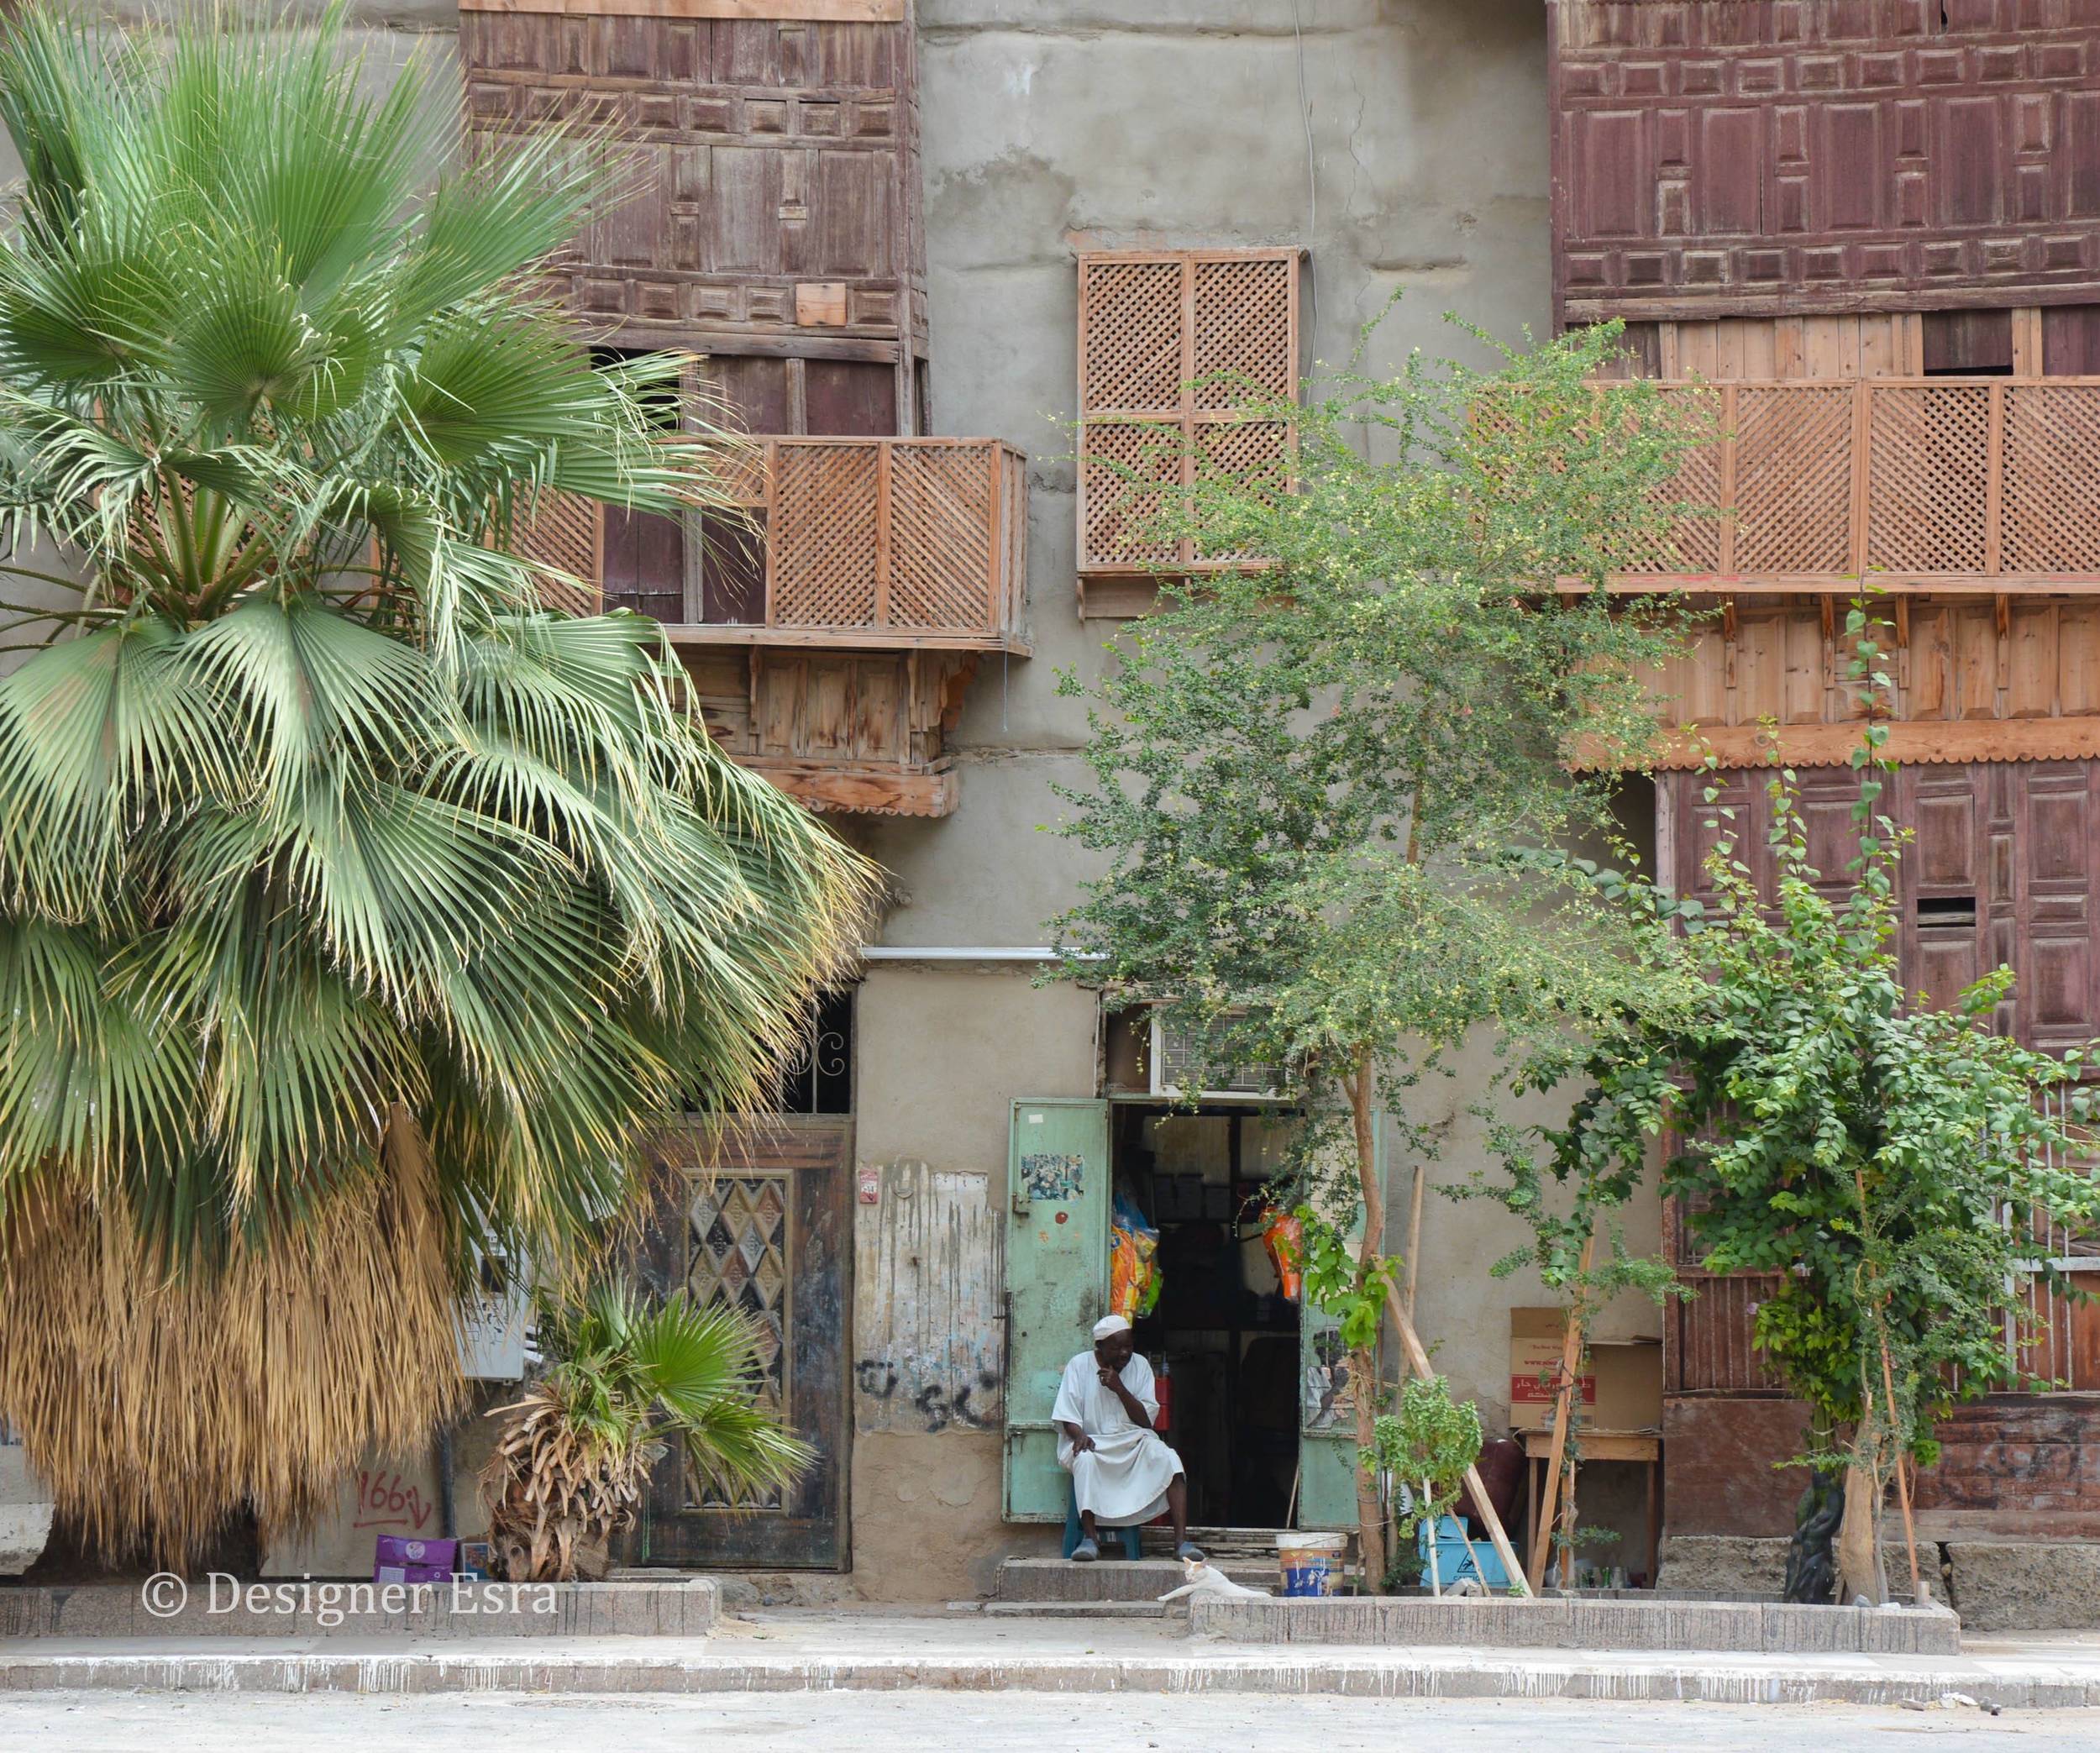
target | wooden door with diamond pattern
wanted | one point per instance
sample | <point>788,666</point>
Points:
<point>763,1223</point>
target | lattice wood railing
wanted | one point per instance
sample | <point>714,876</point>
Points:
<point>867,542</point>
<point>1171,344</point>
<point>1917,480</point>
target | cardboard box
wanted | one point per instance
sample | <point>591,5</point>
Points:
<point>1621,1381</point>
<point>396,1560</point>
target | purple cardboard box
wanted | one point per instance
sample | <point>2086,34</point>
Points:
<point>396,1560</point>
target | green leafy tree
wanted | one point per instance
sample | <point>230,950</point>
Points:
<point>1889,1164</point>
<point>1427,1444</point>
<point>1310,773</point>
<point>626,1382</point>
<point>357,910</point>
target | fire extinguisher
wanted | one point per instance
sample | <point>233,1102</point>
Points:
<point>1163,1392</point>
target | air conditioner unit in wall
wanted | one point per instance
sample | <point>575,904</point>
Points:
<point>1175,1055</point>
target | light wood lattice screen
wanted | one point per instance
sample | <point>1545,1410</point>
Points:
<point>564,533</point>
<point>866,541</point>
<point>1157,329</point>
<point>1928,480</point>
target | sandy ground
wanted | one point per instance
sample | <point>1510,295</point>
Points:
<point>991,1722</point>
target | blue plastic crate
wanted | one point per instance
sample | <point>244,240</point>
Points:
<point>1454,1563</point>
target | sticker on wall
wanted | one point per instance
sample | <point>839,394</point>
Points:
<point>1047,1176</point>
<point>1331,1393</point>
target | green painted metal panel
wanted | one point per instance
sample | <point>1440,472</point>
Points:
<point>1326,1435</point>
<point>1058,1207</point>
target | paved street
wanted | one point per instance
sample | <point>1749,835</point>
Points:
<point>992,1722</point>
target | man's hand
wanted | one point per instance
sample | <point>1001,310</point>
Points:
<point>1134,1408</point>
<point>1082,1444</point>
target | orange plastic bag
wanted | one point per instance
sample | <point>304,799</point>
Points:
<point>1282,1235</point>
<point>1133,1271</point>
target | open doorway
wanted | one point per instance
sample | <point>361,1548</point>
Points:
<point>1222,1332</point>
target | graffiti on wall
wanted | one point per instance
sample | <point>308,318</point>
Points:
<point>1330,1394</point>
<point>386,1500</point>
<point>925,1296</point>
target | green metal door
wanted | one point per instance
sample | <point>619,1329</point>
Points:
<point>1327,1404</point>
<point>1057,1205</point>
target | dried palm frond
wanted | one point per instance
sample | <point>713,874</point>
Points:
<point>157,1409</point>
<point>557,1494</point>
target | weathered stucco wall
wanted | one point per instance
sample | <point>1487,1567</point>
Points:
<point>1050,125</point>
<point>943,1053</point>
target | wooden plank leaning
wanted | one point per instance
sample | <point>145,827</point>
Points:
<point>1563,1416</point>
<point>1418,1361</point>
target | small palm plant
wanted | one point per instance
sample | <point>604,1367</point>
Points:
<point>360,909</point>
<point>628,1380</point>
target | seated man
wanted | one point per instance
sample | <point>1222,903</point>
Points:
<point>1122,1474</point>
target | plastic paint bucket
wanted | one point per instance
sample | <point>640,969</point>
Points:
<point>1309,1562</point>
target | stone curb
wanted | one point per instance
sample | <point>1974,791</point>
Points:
<point>1572,1622</point>
<point>1396,1674</point>
<point>304,1608</point>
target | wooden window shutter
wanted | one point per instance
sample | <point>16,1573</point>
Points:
<point>1153,326</point>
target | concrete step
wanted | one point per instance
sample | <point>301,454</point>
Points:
<point>1076,1609</point>
<point>1247,1545</point>
<point>1037,1580</point>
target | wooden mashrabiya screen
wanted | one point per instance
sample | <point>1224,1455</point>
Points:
<point>1171,341</point>
<point>1923,480</point>
<point>912,541</point>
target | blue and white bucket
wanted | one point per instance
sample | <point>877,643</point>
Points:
<point>1309,1563</point>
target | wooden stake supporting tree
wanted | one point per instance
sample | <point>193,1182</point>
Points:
<point>1564,1404</point>
<point>1417,1356</point>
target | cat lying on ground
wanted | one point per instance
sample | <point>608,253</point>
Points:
<point>1204,1581</point>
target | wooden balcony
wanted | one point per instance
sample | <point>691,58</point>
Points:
<point>863,543</point>
<point>1913,485</point>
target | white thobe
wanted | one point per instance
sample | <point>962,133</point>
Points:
<point>1123,1478</point>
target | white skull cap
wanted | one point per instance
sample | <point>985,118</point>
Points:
<point>1110,1323</point>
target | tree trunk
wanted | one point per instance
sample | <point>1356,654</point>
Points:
<point>1364,1365</point>
<point>1859,1558</point>
<point>1364,1361</point>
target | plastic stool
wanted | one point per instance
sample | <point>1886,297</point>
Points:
<point>1132,1547</point>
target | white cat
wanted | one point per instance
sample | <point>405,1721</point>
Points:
<point>1204,1581</point>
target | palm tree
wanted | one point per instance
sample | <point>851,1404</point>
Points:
<point>626,1382</point>
<point>358,908</point>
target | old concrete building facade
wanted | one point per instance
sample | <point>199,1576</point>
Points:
<point>872,219</point>
<point>1877,222</point>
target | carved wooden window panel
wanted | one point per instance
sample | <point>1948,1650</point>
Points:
<point>739,1239</point>
<point>1171,344</point>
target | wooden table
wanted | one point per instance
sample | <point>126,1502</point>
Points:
<point>1644,1447</point>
